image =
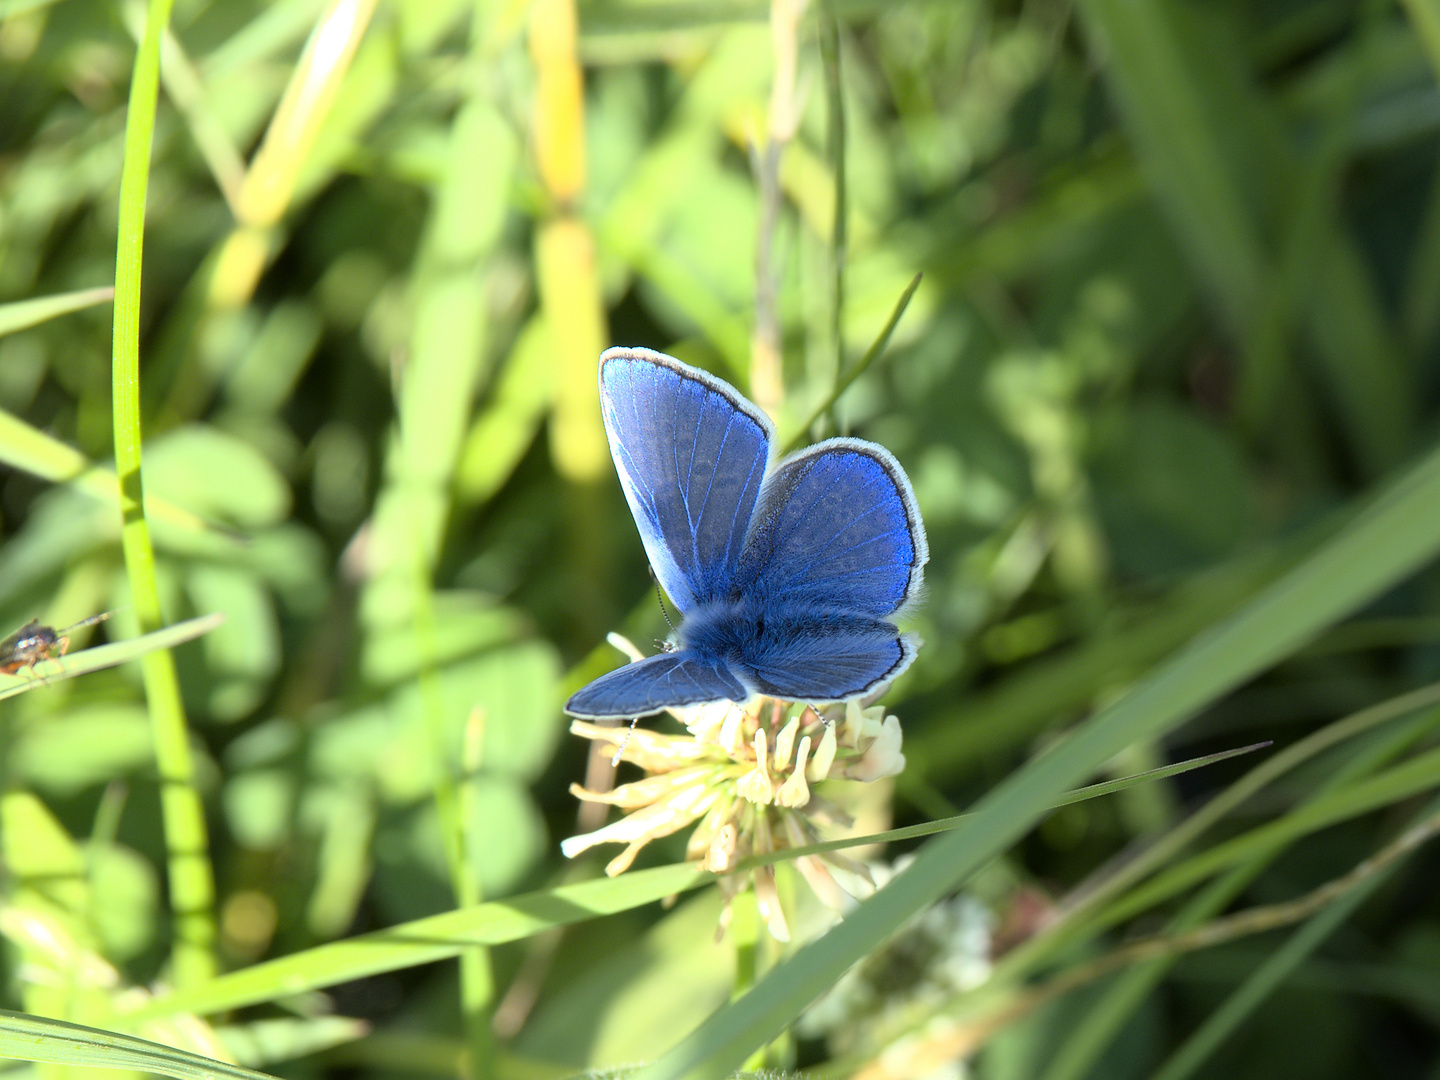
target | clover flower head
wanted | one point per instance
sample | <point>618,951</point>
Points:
<point>742,775</point>
<point>872,1009</point>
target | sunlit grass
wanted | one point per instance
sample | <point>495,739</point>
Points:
<point>1166,394</point>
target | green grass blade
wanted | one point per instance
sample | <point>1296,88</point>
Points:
<point>1076,1056</point>
<point>1010,714</point>
<point>1023,959</point>
<point>1390,540</point>
<point>931,828</point>
<point>1414,777</point>
<point>31,1038</point>
<point>499,921</point>
<point>191,877</point>
<point>23,314</point>
<point>1277,967</point>
<point>438,937</point>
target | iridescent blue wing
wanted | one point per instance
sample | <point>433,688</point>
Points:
<point>655,683</point>
<point>831,666</point>
<point>837,528</point>
<point>691,453</point>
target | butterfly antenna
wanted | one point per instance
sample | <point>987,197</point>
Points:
<point>660,596</point>
<point>615,761</point>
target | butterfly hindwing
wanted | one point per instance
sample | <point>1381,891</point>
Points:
<point>837,527</point>
<point>832,666</point>
<point>691,454</point>
<point>655,683</point>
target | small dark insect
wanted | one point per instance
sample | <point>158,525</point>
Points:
<point>33,642</point>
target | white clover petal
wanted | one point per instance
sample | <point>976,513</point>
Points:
<point>785,743</point>
<point>824,755</point>
<point>651,750</point>
<point>731,737</point>
<point>707,721</point>
<point>794,792</point>
<point>626,646</point>
<point>767,899</point>
<point>651,789</point>
<point>882,757</point>
<point>823,884</point>
<point>721,855</point>
<point>862,724</point>
<point>660,819</point>
<point>756,785</point>
<point>620,863</point>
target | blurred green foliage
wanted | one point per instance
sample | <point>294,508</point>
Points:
<point>1180,317</point>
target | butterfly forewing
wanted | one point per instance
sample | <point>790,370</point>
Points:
<point>691,454</point>
<point>837,527</point>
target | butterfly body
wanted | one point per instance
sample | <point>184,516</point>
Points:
<point>786,577</point>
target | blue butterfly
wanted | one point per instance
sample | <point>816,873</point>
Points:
<point>786,577</point>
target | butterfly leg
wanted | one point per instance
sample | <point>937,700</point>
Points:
<point>615,761</point>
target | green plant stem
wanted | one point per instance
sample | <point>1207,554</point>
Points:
<point>844,380</point>
<point>191,880</point>
<point>477,979</point>
<point>835,118</point>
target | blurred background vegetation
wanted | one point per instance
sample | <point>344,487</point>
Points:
<point>1180,316</point>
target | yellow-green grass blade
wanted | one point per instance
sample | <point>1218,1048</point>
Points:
<point>33,451</point>
<point>23,314</point>
<point>35,1038</point>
